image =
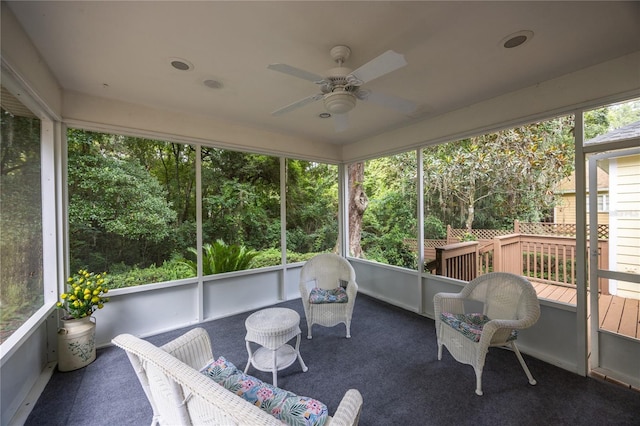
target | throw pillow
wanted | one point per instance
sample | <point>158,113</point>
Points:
<point>219,370</point>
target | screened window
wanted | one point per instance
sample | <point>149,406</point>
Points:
<point>505,183</point>
<point>382,209</point>
<point>21,245</point>
<point>240,210</point>
<point>312,209</point>
<point>131,207</point>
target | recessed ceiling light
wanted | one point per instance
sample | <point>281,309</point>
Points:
<point>212,84</point>
<point>516,39</point>
<point>324,115</point>
<point>181,64</point>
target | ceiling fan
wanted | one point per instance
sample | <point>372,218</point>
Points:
<point>340,87</point>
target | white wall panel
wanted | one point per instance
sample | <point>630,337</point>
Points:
<point>242,293</point>
<point>620,357</point>
<point>292,282</point>
<point>391,284</point>
<point>151,310</point>
<point>21,371</point>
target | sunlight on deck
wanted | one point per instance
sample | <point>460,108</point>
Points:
<point>617,314</point>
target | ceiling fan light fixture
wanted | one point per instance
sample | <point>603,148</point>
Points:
<point>339,102</point>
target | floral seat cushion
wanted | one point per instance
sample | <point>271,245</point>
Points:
<point>285,406</point>
<point>470,325</point>
<point>334,295</point>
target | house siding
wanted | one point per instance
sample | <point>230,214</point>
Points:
<point>626,218</point>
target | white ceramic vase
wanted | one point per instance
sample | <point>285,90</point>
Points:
<point>76,343</point>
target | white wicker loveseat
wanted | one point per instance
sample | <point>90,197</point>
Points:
<point>181,395</point>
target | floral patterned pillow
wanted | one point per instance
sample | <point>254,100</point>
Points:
<point>285,406</point>
<point>334,295</point>
<point>219,370</point>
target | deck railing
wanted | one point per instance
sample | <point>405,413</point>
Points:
<point>458,260</point>
<point>547,259</point>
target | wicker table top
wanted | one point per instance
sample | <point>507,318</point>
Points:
<point>272,327</point>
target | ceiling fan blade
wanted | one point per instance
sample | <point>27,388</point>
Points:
<point>340,122</point>
<point>377,67</point>
<point>388,101</point>
<point>297,104</point>
<point>296,72</point>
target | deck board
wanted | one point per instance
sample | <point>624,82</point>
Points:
<point>617,314</point>
<point>629,320</point>
<point>614,314</point>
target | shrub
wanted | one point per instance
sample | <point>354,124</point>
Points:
<point>221,257</point>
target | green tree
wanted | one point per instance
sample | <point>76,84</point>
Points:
<point>21,275</point>
<point>390,216</point>
<point>312,206</point>
<point>241,198</point>
<point>118,212</point>
<point>510,174</point>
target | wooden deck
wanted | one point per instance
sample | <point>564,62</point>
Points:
<point>617,314</point>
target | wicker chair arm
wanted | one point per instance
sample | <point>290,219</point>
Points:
<point>448,302</point>
<point>348,412</point>
<point>352,289</point>
<point>193,348</point>
<point>510,324</point>
<point>498,331</point>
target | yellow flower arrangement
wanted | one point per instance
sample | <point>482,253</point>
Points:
<point>85,294</point>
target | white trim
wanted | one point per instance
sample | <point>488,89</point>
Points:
<point>343,209</point>
<point>613,222</point>
<point>420,222</point>
<point>13,342</point>
<point>199,258</point>
<point>284,177</point>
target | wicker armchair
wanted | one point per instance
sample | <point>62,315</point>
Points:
<point>330,272</point>
<point>180,395</point>
<point>503,302</point>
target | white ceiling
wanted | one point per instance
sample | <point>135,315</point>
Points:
<point>122,50</point>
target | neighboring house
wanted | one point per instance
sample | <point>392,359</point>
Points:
<point>565,211</point>
<point>624,207</point>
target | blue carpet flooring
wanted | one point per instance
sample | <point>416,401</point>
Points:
<point>391,359</point>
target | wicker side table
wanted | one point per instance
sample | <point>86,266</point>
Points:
<point>272,328</point>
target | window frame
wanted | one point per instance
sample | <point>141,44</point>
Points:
<point>52,224</point>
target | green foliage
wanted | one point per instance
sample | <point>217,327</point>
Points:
<point>512,174</point>
<point>273,257</point>
<point>126,276</point>
<point>132,200</point>
<point>468,236</point>
<point>241,198</point>
<point>434,228</point>
<point>389,248</point>
<point>544,266</point>
<point>221,257</point>
<point>132,205</point>
<point>312,206</point>
<point>117,196</point>
<point>390,217</point>
<point>21,274</point>
<point>118,210</point>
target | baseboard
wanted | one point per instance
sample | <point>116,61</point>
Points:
<point>21,415</point>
